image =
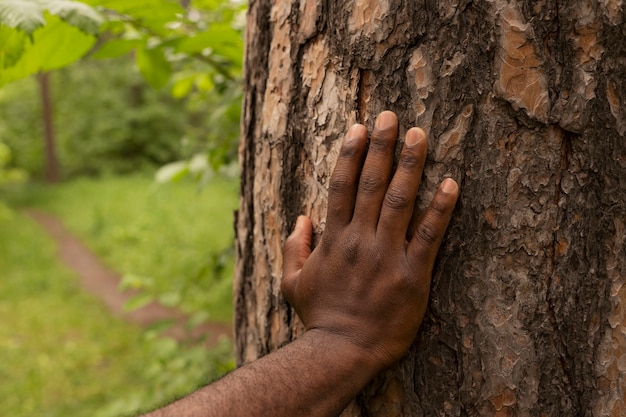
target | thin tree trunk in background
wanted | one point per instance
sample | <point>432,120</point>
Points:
<point>524,105</point>
<point>52,164</point>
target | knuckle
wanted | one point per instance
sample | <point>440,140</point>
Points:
<point>380,141</point>
<point>409,160</point>
<point>396,199</point>
<point>385,132</point>
<point>427,233</point>
<point>379,259</point>
<point>370,183</point>
<point>339,182</point>
<point>350,150</point>
<point>439,207</point>
<point>352,248</point>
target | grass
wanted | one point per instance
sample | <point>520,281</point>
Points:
<point>62,353</point>
<point>172,240</point>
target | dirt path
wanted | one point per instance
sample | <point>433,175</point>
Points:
<point>99,280</point>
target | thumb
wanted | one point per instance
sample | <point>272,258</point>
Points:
<point>296,251</point>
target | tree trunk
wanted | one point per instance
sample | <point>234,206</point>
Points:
<point>52,164</point>
<point>523,102</point>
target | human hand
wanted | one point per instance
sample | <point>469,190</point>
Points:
<point>368,280</point>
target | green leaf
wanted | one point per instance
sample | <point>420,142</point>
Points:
<point>75,13</point>
<point>153,14</point>
<point>138,301</point>
<point>227,42</point>
<point>116,47</point>
<point>54,46</point>
<point>11,46</point>
<point>160,326</point>
<point>170,299</point>
<point>154,66</point>
<point>183,85</point>
<point>166,348</point>
<point>221,38</point>
<point>197,319</point>
<point>131,281</point>
<point>195,44</point>
<point>172,172</point>
<point>5,155</point>
<point>26,15</point>
<point>206,4</point>
<point>205,83</point>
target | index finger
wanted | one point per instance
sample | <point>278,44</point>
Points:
<point>345,178</point>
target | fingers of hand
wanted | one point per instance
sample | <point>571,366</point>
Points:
<point>399,200</point>
<point>296,251</point>
<point>376,170</point>
<point>345,177</point>
<point>432,226</point>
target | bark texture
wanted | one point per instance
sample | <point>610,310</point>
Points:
<point>523,102</point>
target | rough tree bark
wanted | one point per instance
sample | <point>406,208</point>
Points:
<point>524,105</point>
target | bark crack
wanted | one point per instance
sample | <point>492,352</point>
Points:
<point>552,282</point>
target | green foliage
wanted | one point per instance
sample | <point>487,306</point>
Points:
<point>20,127</point>
<point>9,175</point>
<point>109,121</point>
<point>105,118</point>
<point>170,373</point>
<point>203,38</point>
<point>152,15</point>
<point>198,53</point>
<point>28,15</point>
<point>64,355</point>
<point>171,241</point>
<point>55,45</point>
<point>11,46</point>
<point>74,13</point>
<point>127,126</point>
<point>24,15</point>
<point>42,35</point>
<point>154,66</point>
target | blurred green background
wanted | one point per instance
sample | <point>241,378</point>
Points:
<point>144,100</point>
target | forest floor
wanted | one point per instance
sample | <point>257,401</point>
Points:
<point>99,280</point>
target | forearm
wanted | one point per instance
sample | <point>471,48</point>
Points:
<point>364,289</point>
<point>316,375</point>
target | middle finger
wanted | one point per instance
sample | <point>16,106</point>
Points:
<point>376,170</point>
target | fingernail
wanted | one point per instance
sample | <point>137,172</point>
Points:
<point>449,186</point>
<point>414,136</point>
<point>385,120</point>
<point>355,132</point>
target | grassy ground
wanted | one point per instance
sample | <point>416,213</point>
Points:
<point>172,240</point>
<point>62,353</point>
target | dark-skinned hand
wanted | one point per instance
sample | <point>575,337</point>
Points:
<point>367,282</point>
<point>361,293</point>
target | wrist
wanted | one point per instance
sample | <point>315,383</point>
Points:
<point>356,360</point>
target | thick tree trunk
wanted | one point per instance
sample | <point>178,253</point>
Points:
<point>52,163</point>
<point>524,105</point>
